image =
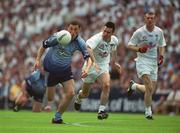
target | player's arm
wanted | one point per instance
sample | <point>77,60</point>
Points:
<point>115,62</point>
<point>92,44</point>
<point>38,58</point>
<point>134,41</point>
<point>49,42</point>
<point>91,54</point>
<point>86,68</point>
<point>93,60</point>
<point>86,56</point>
<point>133,48</point>
<point>132,44</point>
<point>142,49</point>
<point>161,51</point>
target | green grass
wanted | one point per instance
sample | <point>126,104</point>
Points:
<point>78,122</point>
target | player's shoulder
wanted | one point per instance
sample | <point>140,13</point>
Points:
<point>114,39</point>
<point>50,39</point>
<point>158,29</point>
<point>97,36</point>
<point>140,29</point>
<point>80,40</point>
<point>53,36</point>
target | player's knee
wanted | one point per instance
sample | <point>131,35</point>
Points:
<point>149,90</point>
<point>106,87</point>
<point>148,84</point>
<point>70,94</point>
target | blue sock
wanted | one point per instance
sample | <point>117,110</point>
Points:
<point>57,116</point>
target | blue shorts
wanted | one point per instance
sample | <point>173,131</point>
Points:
<point>54,79</point>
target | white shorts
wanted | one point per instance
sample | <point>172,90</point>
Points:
<point>93,75</point>
<point>146,68</point>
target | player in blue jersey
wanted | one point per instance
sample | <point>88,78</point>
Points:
<point>57,63</point>
<point>32,86</point>
<point>149,43</point>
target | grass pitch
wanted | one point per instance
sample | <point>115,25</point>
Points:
<point>78,122</point>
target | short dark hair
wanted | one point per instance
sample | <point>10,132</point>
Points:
<point>150,11</point>
<point>75,22</point>
<point>110,25</point>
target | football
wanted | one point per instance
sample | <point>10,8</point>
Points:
<point>63,37</point>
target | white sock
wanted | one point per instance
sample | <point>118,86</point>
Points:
<point>78,99</point>
<point>134,86</point>
<point>101,108</point>
<point>148,111</point>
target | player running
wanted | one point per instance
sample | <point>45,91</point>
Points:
<point>100,46</point>
<point>148,41</point>
<point>57,63</point>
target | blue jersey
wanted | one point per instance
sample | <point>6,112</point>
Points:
<point>36,85</point>
<point>58,58</point>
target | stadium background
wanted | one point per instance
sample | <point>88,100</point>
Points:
<point>24,25</point>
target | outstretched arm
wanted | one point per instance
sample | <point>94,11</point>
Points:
<point>91,54</point>
<point>115,62</point>
<point>86,68</point>
<point>93,59</point>
<point>38,58</point>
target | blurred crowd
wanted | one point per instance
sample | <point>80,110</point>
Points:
<point>25,24</point>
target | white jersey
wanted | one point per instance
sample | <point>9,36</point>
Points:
<point>101,48</point>
<point>153,39</point>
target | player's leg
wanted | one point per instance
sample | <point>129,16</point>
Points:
<point>21,100</point>
<point>52,81</point>
<point>65,101</point>
<point>154,83</point>
<point>83,93</point>
<point>22,97</point>
<point>135,86</point>
<point>148,95</point>
<point>104,80</point>
<point>36,107</point>
<point>147,73</point>
<point>69,94</point>
<point>150,86</point>
<point>141,69</point>
<point>50,97</point>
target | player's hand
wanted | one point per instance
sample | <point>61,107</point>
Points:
<point>143,49</point>
<point>37,65</point>
<point>84,73</point>
<point>160,60</point>
<point>118,68</point>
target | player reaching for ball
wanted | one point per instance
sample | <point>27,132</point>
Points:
<point>100,47</point>
<point>149,43</point>
<point>57,64</point>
